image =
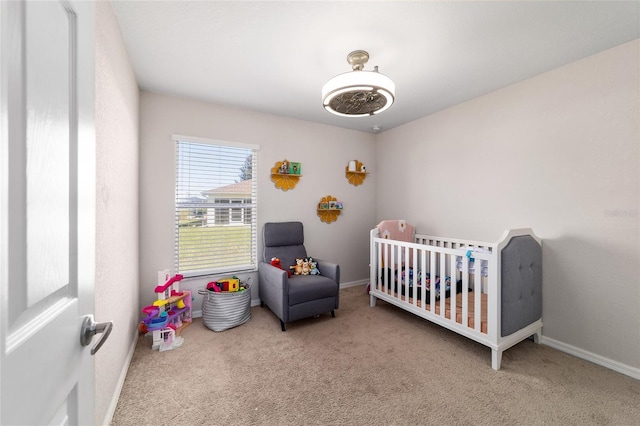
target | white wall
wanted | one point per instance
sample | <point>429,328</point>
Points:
<point>324,152</point>
<point>558,153</point>
<point>116,286</point>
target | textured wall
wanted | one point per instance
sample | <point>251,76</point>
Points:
<point>324,152</point>
<point>558,153</point>
<point>116,288</point>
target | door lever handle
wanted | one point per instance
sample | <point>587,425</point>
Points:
<point>91,328</point>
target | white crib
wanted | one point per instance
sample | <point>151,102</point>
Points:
<point>508,274</point>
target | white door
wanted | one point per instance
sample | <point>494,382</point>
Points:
<point>47,209</point>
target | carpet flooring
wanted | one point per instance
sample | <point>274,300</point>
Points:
<point>367,366</point>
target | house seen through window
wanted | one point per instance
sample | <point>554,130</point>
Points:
<point>216,207</point>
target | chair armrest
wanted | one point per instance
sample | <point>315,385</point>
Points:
<point>273,289</point>
<point>329,269</point>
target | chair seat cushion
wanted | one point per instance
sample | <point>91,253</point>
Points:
<point>305,288</point>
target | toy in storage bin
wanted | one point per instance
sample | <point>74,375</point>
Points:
<point>225,309</point>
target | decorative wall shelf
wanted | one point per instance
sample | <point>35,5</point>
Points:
<point>329,209</point>
<point>282,174</point>
<point>357,176</point>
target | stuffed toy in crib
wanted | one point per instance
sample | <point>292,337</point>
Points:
<point>409,273</point>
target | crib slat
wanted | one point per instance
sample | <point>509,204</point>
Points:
<point>443,268</point>
<point>378,260</point>
<point>389,267</point>
<point>423,277</point>
<point>465,291</point>
<point>397,253</point>
<point>432,278</point>
<point>385,266</point>
<point>378,249</point>
<point>477,293</point>
<point>414,265</point>
<point>380,277</point>
<point>404,260</point>
<point>443,287</point>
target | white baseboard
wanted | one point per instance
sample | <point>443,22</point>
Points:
<point>123,375</point>
<point>354,283</point>
<point>591,357</point>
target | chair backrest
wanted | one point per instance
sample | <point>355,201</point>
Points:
<point>284,240</point>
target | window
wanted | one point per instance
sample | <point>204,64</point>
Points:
<point>215,210</point>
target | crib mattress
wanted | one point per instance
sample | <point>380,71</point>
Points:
<point>447,314</point>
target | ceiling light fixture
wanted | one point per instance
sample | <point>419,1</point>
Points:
<point>358,93</point>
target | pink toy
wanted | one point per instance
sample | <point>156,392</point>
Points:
<point>169,314</point>
<point>174,279</point>
<point>214,286</point>
<point>150,310</point>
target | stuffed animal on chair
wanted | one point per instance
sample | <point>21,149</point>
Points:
<point>305,266</point>
<point>297,268</point>
<point>276,262</point>
<point>313,267</point>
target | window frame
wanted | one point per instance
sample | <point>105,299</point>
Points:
<point>208,270</point>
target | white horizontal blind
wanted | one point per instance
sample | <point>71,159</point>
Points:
<point>216,207</point>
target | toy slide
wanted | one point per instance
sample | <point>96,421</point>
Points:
<point>166,317</point>
<point>175,278</point>
<point>157,323</point>
<point>154,322</point>
<point>175,298</point>
<point>150,310</point>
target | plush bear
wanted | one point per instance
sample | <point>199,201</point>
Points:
<point>297,268</point>
<point>276,262</point>
<point>305,266</point>
<point>313,267</point>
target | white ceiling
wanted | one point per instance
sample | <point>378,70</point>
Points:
<point>275,56</point>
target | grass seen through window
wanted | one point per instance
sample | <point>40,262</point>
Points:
<point>201,245</point>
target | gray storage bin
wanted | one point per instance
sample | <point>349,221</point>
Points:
<point>224,310</point>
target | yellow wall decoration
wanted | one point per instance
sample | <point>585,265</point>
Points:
<point>282,176</point>
<point>357,174</point>
<point>329,209</point>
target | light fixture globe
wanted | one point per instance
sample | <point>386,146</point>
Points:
<point>358,93</point>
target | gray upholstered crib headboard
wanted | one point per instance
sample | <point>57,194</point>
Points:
<point>521,281</point>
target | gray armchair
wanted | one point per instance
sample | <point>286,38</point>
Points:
<point>300,296</point>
